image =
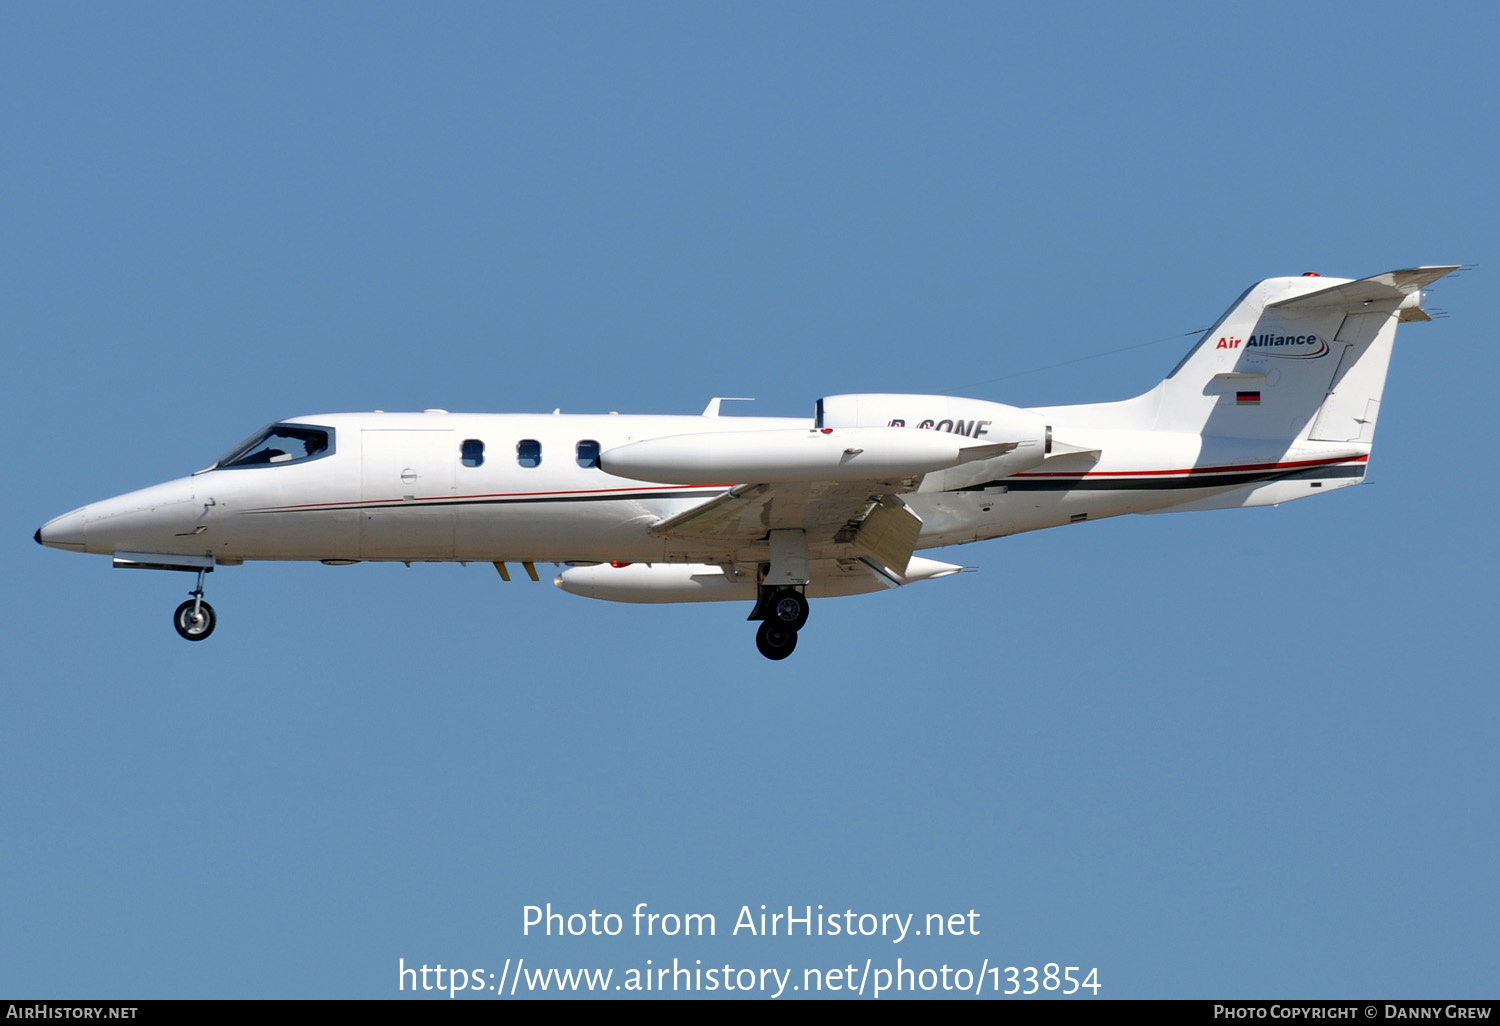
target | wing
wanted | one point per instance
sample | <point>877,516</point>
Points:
<point>822,493</point>
<point>863,520</point>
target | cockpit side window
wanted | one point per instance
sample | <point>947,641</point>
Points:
<point>280,443</point>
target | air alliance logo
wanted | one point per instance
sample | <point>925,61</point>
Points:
<point>1290,347</point>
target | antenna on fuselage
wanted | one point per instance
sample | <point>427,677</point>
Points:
<point>712,409</point>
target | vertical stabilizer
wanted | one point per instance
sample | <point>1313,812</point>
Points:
<point>1294,359</point>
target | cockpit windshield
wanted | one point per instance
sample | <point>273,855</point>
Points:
<point>280,443</point>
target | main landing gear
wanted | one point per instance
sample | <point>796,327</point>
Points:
<point>195,618</point>
<point>780,601</point>
<point>782,613</point>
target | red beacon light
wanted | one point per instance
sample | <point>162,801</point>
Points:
<point>1311,274</point>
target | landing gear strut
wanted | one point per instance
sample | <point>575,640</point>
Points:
<point>195,618</point>
<point>780,601</point>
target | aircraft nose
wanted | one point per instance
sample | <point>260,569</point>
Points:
<point>64,532</point>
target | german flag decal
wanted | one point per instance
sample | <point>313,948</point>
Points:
<point>1247,398</point>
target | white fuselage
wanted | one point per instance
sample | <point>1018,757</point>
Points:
<point>397,486</point>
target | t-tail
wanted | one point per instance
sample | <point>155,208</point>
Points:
<point>1309,354</point>
<point>1288,382</point>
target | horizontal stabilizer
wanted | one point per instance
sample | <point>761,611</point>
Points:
<point>1355,296</point>
<point>1065,449</point>
<point>971,453</point>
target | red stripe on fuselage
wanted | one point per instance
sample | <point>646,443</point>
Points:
<point>492,495</point>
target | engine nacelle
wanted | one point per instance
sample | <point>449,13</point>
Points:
<point>698,582</point>
<point>978,421</point>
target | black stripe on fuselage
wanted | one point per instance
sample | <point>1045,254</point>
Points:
<point>1112,484</point>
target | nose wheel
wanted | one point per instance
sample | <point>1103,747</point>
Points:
<point>195,618</point>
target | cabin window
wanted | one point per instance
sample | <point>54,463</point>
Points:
<point>280,443</point>
<point>529,452</point>
<point>588,453</point>
<point>472,453</point>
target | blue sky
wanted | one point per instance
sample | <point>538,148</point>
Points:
<point>1239,754</point>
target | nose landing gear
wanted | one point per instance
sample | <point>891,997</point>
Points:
<point>195,618</point>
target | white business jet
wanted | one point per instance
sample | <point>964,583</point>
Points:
<point>1276,402</point>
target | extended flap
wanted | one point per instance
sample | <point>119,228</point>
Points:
<point>888,533</point>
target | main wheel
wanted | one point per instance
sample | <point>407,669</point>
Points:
<point>774,640</point>
<point>194,628</point>
<point>788,609</point>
